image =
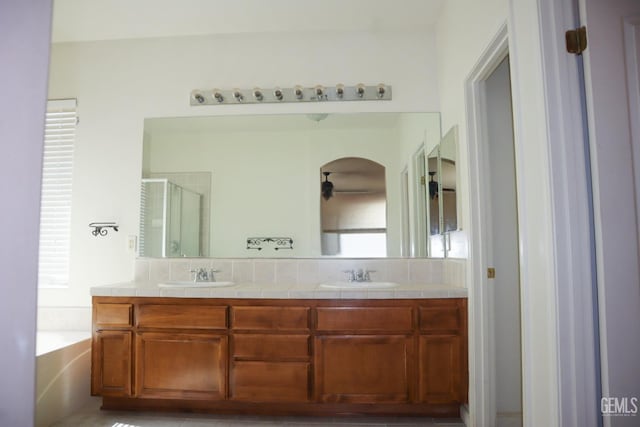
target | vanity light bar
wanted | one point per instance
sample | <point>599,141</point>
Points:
<point>295,94</point>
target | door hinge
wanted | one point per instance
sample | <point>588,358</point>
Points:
<point>491,273</point>
<point>576,40</point>
<point>423,180</point>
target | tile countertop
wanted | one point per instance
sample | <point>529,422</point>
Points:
<point>279,291</point>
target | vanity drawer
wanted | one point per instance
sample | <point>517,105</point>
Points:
<point>364,319</point>
<point>270,381</point>
<point>113,315</point>
<point>271,347</point>
<point>270,318</point>
<point>181,316</point>
<point>443,316</point>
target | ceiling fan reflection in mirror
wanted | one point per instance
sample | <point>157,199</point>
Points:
<point>327,186</point>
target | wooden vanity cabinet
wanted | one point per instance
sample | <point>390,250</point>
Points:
<point>111,356</point>
<point>111,363</point>
<point>364,354</point>
<point>443,349</point>
<point>181,365</point>
<point>181,351</point>
<point>271,356</point>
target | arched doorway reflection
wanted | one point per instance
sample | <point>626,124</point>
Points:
<point>353,208</point>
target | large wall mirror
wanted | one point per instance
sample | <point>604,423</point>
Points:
<point>261,176</point>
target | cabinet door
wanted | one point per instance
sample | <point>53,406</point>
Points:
<point>363,369</point>
<point>181,366</point>
<point>111,363</point>
<point>440,369</point>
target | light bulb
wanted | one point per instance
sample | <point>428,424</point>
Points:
<point>218,96</point>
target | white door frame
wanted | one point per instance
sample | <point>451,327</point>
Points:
<point>573,233</point>
<point>482,384</point>
<point>559,330</point>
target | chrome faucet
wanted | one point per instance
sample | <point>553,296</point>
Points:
<point>204,275</point>
<point>359,275</point>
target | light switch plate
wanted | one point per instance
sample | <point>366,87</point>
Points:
<point>132,242</point>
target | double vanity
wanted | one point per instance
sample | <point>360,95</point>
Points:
<point>341,348</point>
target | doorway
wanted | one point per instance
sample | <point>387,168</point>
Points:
<point>495,357</point>
<point>502,245</point>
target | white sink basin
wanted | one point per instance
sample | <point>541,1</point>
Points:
<point>192,284</point>
<point>358,285</point>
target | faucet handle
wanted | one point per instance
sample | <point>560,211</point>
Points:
<point>367,277</point>
<point>198,274</point>
<point>351,273</point>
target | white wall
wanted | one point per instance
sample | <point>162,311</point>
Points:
<point>120,83</point>
<point>465,28</point>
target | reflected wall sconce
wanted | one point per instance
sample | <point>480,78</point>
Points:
<point>433,186</point>
<point>318,93</point>
<point>102,228</point>
<point>326,187</point>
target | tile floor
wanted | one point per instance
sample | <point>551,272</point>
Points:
<point>92,416</point>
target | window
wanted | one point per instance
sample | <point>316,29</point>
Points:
<point>55,215</point>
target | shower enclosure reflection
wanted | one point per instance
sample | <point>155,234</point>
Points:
<point>169,220</point>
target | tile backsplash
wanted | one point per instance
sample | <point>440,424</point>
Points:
<point>266,271</point>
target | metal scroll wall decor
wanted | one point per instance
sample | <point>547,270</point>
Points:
<point>279,242</point>
<point>102,228</point>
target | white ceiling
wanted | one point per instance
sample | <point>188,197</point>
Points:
<point>86,20</point>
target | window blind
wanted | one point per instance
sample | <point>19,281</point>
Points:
<point>55,215</point>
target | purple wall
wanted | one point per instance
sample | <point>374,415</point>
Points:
<point>24,60</point>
